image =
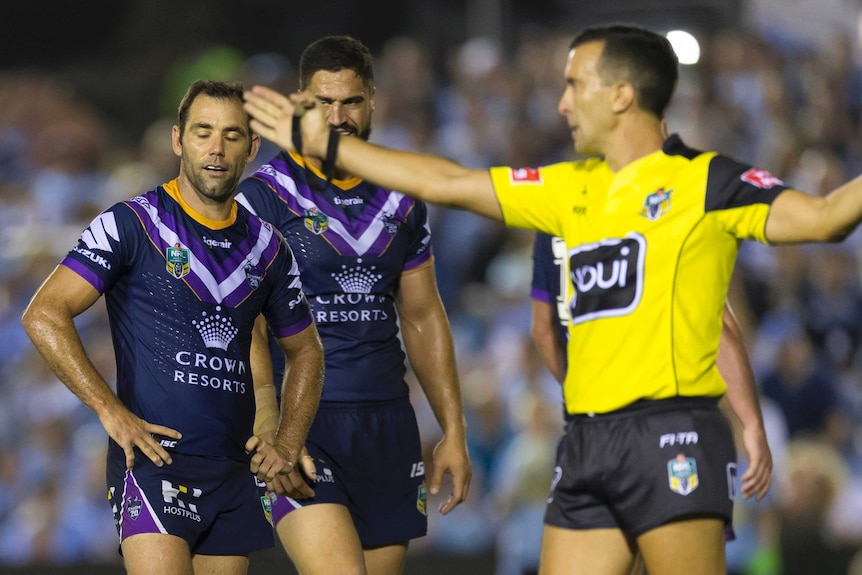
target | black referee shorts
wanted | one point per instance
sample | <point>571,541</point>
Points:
<point>643,466</point>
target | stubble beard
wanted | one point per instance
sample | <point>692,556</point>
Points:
<point>220,192</point>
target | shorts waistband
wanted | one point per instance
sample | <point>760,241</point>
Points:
<point>648,406</point>
<point>362,405</point>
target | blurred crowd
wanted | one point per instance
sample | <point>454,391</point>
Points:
<point>787,107</point>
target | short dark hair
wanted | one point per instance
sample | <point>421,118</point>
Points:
<point>213,89</point>
<point>333,54</point>
<point>639,56</point>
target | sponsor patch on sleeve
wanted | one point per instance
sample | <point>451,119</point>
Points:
<point>760,178</point>
<point>525,176</point>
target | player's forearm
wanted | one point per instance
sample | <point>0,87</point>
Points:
<point>55,337</point>
<point>745,402</point>
<point>735,368</point>
<point>553,355</point>
<point>300,398</point>
<point>432,355</point>
<point>266,415</point>
<point>545,335</point>
<point>266,403</point>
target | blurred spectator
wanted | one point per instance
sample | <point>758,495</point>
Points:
<point>815,476</point>
<point>802,384</point>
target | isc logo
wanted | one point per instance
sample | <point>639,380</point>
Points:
<point>165,441</point>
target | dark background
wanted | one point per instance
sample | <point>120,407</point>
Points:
<point>118,54</point>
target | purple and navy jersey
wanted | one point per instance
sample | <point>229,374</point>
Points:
<point>550,283</point>
<point>182,293</point>
<point>551,278</point>
<point>352,240</point>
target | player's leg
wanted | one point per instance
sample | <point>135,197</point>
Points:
<point>241,522</point>
<point>319,534</point>
<point>321,539</point>
<point>696,543</point>
<point>220,564</point>
<point>156,554</point>
<point>162,512</point>
<point>390,506</point>
<point>386,559</point>
<point>585,552</point>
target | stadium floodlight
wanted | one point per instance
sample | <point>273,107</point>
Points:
<point>685,45</point>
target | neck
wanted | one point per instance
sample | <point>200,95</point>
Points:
<point>211,209</point>
<point>633,141</point>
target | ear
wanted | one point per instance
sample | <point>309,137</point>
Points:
<point>623,96</point>
<point>255,146</point>
<point>175,141</point>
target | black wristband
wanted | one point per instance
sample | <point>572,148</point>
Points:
<point>296,132</point>
<point>331,154</point>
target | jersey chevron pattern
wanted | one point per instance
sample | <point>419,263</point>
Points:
<point>651,250</point>
<point>182,293</point>
<point>352,240</point>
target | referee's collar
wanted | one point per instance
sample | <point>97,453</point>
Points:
<point>672,145</point>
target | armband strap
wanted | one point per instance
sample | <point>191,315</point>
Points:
<point>331,154</point>
<point>328,167</point>
<point>296,131</point>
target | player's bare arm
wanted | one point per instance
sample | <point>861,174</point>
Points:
<point>48,320</point>
<point>544,332</point>
<point>428,341</point>
<point>265,399</point>
<point>735,367</point>
<point>268,463</point>
<point>300,397</point>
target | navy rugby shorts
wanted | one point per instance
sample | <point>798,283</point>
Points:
<point>217,505</point>
<point>368,458</point>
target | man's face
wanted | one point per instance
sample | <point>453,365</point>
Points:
<point>216,145</point>
<point>345,99</point>
<point>586,101</point>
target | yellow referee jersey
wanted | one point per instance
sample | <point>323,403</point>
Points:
<point>651,250</point>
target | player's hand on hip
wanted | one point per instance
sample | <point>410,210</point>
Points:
<point>130,431</point>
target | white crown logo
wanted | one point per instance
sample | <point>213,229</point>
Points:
<point>357,279</point>
<point>216,331</point>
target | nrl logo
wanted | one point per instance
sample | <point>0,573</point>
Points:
<point>682,474</point>
<point>177,259</point>
<point>316,221</point>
